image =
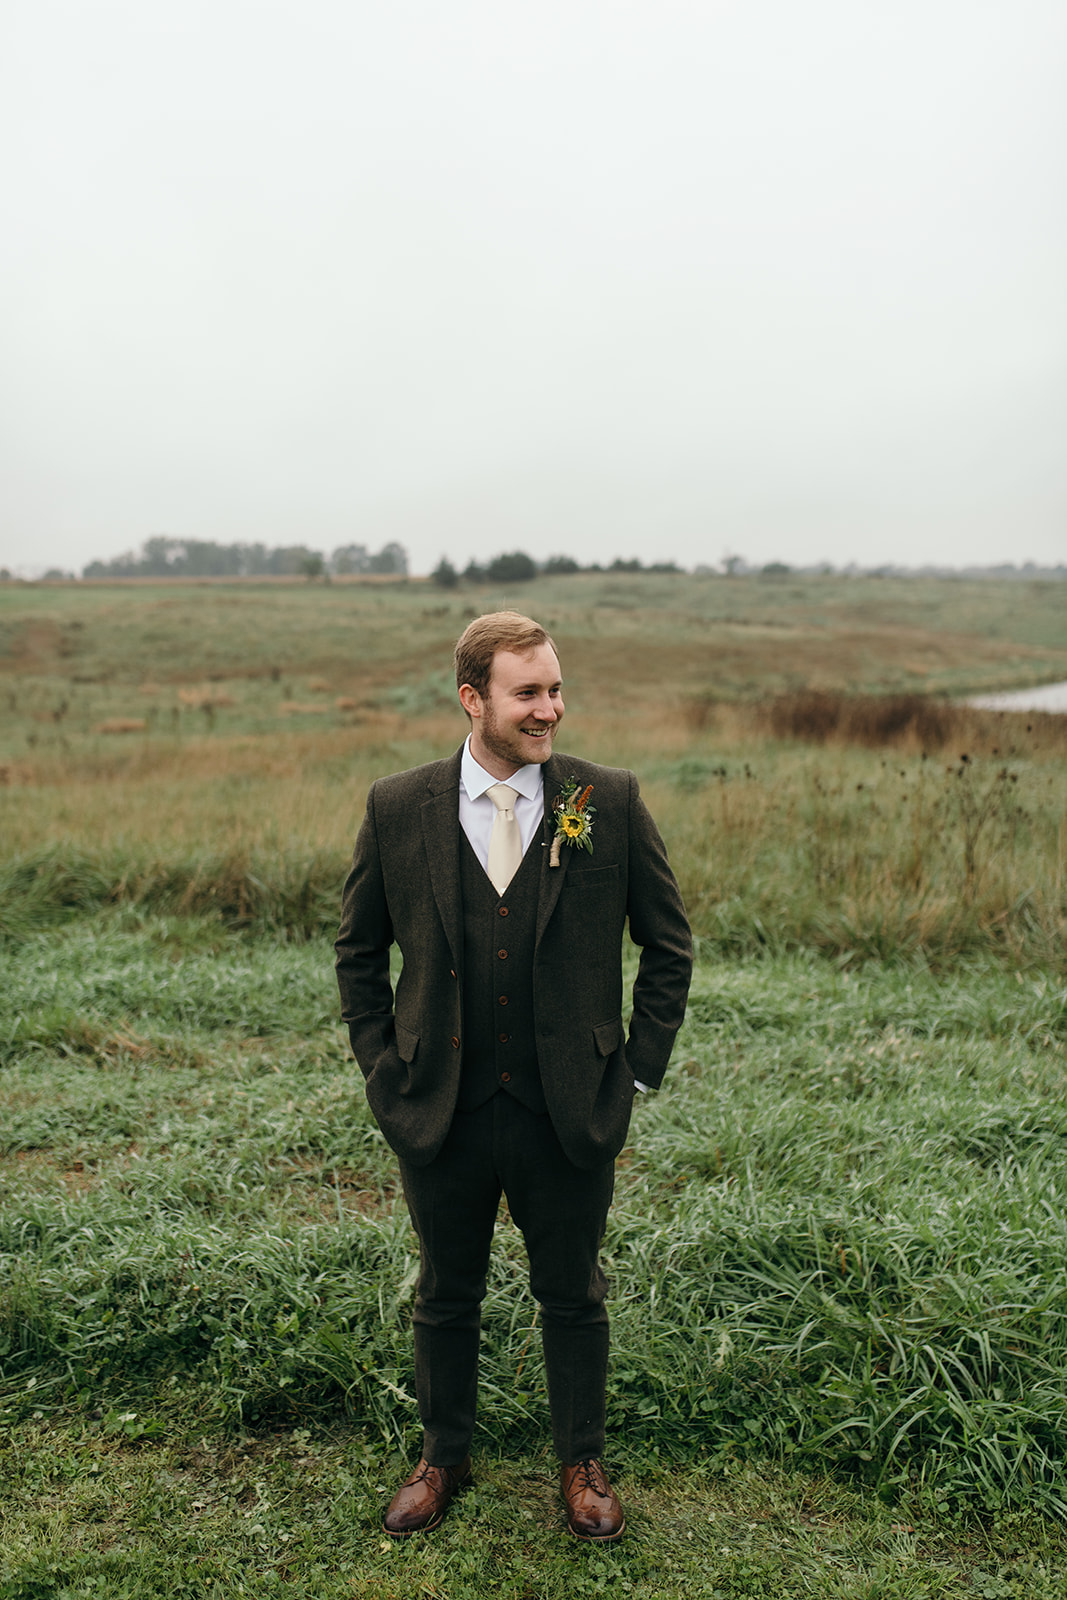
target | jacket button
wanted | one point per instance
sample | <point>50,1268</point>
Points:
<point>503,911</point>
<point>503,1038</point>
<point>505,1077</point>
<point>503,1000</point>
<point>502,954</point>
<point>451,972</point>
<point>455,1042</point>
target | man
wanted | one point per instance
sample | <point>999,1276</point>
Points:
<point>506,875</point>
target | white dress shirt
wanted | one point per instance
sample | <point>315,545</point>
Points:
<point>477,811</point>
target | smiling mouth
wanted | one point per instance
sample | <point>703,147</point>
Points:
<point>536,733</point>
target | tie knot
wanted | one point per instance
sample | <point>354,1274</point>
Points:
<point>503,796</point>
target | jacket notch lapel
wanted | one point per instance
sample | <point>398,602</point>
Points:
<point>551,877</point>
<point>440,831</point>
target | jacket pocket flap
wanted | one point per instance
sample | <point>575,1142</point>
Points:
<point>585,878</point>
<point>406,1042</point>
<point>608,1036</point>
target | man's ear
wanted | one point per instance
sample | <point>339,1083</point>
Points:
<point>470,700</point>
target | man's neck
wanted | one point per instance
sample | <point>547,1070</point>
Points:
<point>499,776</point>
<point>500,770</point>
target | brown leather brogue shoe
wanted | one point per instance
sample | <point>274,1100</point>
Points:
<point>593,1509</point>
<point>421,1502</point>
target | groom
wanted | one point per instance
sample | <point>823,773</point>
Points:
<point>506,875</point>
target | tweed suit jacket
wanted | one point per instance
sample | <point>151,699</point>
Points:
<point>404,888</point>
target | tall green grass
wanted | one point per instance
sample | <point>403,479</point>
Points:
<point>294,895</point>
<point>838,1236</point>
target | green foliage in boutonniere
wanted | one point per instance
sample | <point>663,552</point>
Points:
<point>574,818</point>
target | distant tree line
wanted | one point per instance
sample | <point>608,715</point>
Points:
<point>164,557</point>
<point>518,567</point>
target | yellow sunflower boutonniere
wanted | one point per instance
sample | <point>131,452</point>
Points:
<point>574,819</point>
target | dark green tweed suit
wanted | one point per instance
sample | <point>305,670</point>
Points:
<point>404,888</point>
<point>556,1170</point>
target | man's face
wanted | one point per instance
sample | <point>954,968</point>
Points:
<point>515,722</point>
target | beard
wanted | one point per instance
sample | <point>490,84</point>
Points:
<point>506,743</point>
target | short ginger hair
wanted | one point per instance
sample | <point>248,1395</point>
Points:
<point>481,639</point>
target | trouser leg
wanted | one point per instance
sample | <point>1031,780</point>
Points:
<point>576,1367</point>
<point>453,1204</point>
<point>562,1210</point>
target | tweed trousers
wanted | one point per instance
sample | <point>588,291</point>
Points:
<point>502,1148</point>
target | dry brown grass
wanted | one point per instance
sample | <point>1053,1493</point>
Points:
<point>300,789</point>
<point>727,661</point>
<point>304,788</point>
<point>121,725</point>
<point>908,722</point>
<point>866,852</point>
<point>794,812</point>
<point>205,698</point>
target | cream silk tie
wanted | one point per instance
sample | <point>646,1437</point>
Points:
<point>505,842</point>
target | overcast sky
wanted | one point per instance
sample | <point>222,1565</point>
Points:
<point>783,278</point>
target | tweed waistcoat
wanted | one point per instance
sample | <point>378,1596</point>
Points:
<point>499,1048</point>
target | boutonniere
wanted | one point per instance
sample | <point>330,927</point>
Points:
<point>574,818</point>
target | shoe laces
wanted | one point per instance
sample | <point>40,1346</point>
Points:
<point>591,1476</point>
<point>428,1473</point>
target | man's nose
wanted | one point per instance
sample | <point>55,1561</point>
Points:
<point>544,710</point>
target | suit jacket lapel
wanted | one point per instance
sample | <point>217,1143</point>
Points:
<point>440,831</point>
<point>551,877</point>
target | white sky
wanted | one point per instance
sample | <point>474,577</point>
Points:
<point>668,280</point>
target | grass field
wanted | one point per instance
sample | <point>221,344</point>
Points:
<point>838,1249</point>
<point>209,747</point>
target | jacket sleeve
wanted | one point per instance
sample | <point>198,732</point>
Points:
<point>363,945</point>
<point>659,925</point>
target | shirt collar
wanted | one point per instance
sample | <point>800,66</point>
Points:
<point>528,780</point>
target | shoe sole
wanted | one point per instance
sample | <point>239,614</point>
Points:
<point>597,1538</point>
<point>406,1533</point>
<point>427,1527</point>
